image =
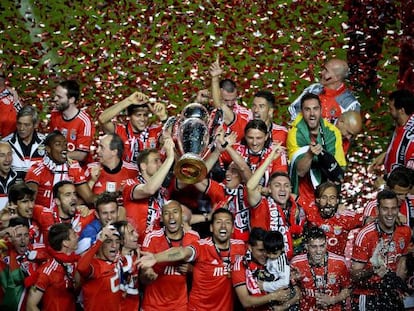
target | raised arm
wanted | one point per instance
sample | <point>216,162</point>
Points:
<point>253,193</point>
<point>244,168</point>
<point>111,112</point>
<point>215,72</point>
<point>154,183</point>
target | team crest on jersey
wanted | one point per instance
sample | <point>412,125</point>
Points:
<point>41,150</point>
<point>331,279</point>
<point>73,134</point>
<point>337,230</point>
<point>64,132</point>
<point>152,143</point>
<point>401,243</point>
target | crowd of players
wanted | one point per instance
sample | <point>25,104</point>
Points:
<point>264,229</point>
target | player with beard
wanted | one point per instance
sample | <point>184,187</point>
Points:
<point>315,150</point>
<point>65,210</point>
<point>75,124</point>
<point>170,285</point>
<point>263,108</point>
<point>54,167</point>
<point>324,214</point>
<point>321,275</point>
<point>278,211</point>
<point>213,259</point>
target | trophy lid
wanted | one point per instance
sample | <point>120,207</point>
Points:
<point>195,110</point>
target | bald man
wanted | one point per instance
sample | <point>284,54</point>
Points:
<point>350,125</point>
<point>334,95</point>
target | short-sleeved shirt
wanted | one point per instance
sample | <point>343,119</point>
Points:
<point>336,227</point>
<point>389,247</point>
<point>111,180</point>
<point>8,115</point>
<point>134,143</point>
<point>144,214</point>
<point>46,174</point>
<point>211,271</point>
<point>102,289</point>
<point>269,215</point>
<point>53,281</point>
<point>329,279</point>
<point>244,275</point>
<point>170,287</point>
<point>78,131</point>
<point>45,217</point>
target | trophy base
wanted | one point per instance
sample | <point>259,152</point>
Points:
<point>190,169</point>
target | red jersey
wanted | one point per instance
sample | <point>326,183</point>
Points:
<point>144,214</point>
<point>212,285</point>
<point>329,279</point>
<point>101,288</point>
<point>45,217</point>
<point>8,113</point>
<point>78,131</point>
<point>255,160</point>
<point>269,215</point>
<point>54,280</point>
<point>400,151</point>
<point>112,180</point>
<point>406,209</point>
<point>237,125</point>
<point>47,173</point>
<point>134,142</point>
<point>170,287</point>
<point>388,248</point>
<point>243,274</point>
<point>235,200</point>
<point>279,134</point>
<point>336,228</point>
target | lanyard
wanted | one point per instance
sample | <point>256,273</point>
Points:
<point>320,287</point>
<point>225,259</point>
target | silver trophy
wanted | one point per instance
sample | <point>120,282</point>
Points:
<point>192,139</point>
